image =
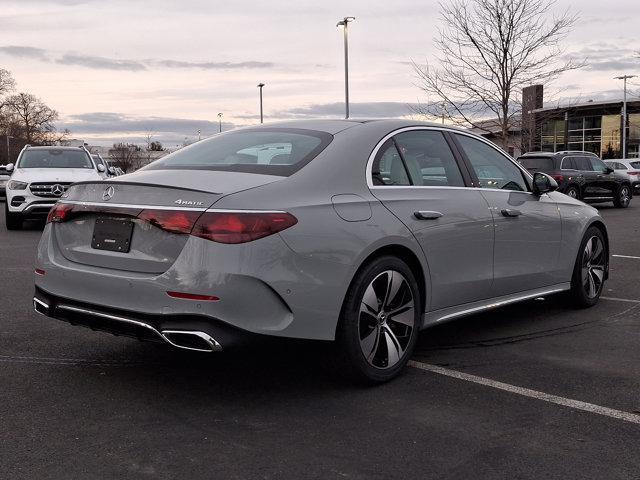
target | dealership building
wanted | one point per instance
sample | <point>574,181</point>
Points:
<point>589,126</point>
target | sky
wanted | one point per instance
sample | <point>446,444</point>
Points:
<point>121,69</point>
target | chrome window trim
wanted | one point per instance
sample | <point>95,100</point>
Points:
<point>369,168</point>
<point>229,210</point>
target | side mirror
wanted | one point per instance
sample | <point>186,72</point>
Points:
<point>101,168</point>
<point>609,170</point>
<point>543,183</point>
<point>112,171</point>
<point>9,167</point>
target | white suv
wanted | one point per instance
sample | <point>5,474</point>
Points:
<point>40,176</point>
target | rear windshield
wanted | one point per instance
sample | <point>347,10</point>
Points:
<point>635,164</point>
<point>537,164</point>
<point>270,151</point>
<point>54,158</point>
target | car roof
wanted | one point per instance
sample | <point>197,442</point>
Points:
<point>553,154</point>
<point>334,126</point>
<point>52,147</point>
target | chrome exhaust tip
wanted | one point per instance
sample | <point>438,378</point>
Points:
<point>191,340</point>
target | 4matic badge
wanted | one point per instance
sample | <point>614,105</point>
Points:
<point>190,203</point>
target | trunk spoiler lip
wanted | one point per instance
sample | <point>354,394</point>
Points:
<point>144,184</point>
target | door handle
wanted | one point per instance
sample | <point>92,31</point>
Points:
<point>427,215</point>
<point>510,212</point>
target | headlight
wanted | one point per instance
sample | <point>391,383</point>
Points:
<point>15,185</point>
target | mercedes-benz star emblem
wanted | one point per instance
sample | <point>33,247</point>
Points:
<point>57,190</point>
<point>108,193</point>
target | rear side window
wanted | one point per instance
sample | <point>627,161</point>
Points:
<point>568,163</point>
<point>537,164</point>
<point>429,159</point>
<point>635,164</point>
<point>493,169</point>
<point>583,163</point>
<point>270,151</point>
<point>388,168</point>
<point>54,158</point>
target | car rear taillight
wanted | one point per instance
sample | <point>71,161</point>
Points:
<point>174,221</point>
<point>634,173</point>
<point>558,178</point>
<point>241,227</point>
<point>59,213</point>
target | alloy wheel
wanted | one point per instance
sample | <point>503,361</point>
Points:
<point>593,267</point>
<point>573,193</point>
<point>386,319</point>
<point>625,196</point>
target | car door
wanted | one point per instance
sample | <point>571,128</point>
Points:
<point>527,227</point>
<point>591,188</point>
<point>607,182</point>
<point>417,177</point>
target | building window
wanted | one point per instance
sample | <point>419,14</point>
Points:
<point>610,145</point>
<point>553,136</point>
<point>633,136</point>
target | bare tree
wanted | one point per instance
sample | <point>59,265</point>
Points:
<point>32,119</point>
<point>127,156</point>
<point>488,51</point>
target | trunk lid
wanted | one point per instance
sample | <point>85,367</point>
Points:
<point>178,194</point>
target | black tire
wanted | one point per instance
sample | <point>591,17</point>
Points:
<point>13,221</point>
<point>573,192</point>
<point>357,328</point>
<point>622,197</point>
<point>584,271</point>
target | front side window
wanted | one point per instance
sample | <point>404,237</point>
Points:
<point>269,151</point>
<point>388,168</point>
<point>598,165</point>
<point>429,159</point>
<point>493,169</point>
<point>54,158</point>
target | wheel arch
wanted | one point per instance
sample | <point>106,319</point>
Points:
<point>408,256</point>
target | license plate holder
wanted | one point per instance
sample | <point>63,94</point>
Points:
<point>112,234</point>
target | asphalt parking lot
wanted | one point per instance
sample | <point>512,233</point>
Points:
<point>79,404</point>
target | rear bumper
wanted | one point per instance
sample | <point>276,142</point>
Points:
<point>189,332</point>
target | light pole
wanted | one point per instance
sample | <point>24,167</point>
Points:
<point>220,122</point>
<point>260,85</point>
<point>8,148</point>
<point>344,23</point>
<point>624,78</point>
<point>199,134</point>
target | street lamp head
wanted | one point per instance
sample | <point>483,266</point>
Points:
<point>345,21</point>
<point>220,114</point>
<point>260,85</point>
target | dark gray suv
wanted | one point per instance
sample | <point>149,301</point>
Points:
<point>581,175</point>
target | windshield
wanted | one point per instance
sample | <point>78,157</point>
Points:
<point>54,158</point>
<point>537,164</point>
<point>270,151</point>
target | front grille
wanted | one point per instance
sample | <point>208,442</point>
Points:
<point>46,189</point>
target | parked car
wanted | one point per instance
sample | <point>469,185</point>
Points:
<point>627,168</point>
<point>581,175</point>
<point>364,233</point>
<point>41,176</point>
<point>4,178</point>
<point>108,171</point>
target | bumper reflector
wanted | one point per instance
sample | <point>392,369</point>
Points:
<point>193,296</point>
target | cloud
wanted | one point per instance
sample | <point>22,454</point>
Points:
<point>357,109</point>
<point>100,62</point>
<point>105,63</point>
<point>213,65</point>
<point>607,57</point>
<point>117,126</point>
<point>25,52</point>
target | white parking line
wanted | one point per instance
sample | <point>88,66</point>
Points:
<point>525,392</point>
<point>615,299</point>
<point>626,256</point>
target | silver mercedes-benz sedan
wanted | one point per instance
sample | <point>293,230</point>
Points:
<point>362,232</point>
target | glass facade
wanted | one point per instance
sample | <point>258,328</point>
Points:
<point>599,134</point>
